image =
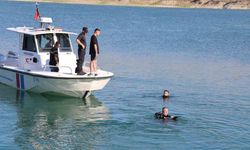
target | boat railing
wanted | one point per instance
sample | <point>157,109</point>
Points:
<point>60,67</point>
<point>87,64</point>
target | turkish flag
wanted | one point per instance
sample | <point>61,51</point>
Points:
<point>37,15</point>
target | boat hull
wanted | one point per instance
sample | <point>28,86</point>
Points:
<point>74,87</point>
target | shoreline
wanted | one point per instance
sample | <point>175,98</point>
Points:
<point>130,4</point>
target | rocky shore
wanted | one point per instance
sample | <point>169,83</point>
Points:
<point>217,4</point>
<point>220,4</point>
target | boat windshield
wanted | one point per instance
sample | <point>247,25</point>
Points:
<point>45,42</point>
<point>64,42</point>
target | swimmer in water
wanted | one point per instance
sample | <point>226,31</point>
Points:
<point>166,94</point>
<point>164,114</point>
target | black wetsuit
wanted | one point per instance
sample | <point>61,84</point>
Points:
<point>159,115</point>
<point>53,59</point>
<point>81,52</point>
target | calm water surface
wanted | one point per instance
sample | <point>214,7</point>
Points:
<point>201,56</point>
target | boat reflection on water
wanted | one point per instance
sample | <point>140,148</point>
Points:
<point>44,121</point>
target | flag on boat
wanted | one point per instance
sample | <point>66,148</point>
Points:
<point>37,15</point>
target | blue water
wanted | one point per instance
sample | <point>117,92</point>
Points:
<point>201,56</point>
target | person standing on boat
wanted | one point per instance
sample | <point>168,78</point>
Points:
<point>81,41</point>
<point>94,51</point>
<point>54,59</point>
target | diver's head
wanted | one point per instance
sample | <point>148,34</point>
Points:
<point>165,94</point>
<point>97,32</point>
<point>57,44</point>
<point>85,30</point>
<point>165,111</point>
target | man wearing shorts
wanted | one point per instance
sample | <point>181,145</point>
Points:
<point>94,52</point>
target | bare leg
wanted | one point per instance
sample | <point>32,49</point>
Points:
<point>91,66</point>
<point>95,65</point>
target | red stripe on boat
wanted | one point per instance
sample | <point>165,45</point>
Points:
<point>17,81</point>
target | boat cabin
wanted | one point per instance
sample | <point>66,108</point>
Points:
<point>35,45</point>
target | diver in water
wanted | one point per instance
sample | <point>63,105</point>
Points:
<point>164,114</point>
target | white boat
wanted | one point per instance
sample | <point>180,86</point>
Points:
<point>28,68</point>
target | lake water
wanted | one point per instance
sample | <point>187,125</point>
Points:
<point>201,56</point>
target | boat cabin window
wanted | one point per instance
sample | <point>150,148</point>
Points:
<point>64,42</point>
<point>45,42</point>
<point>29,43</point>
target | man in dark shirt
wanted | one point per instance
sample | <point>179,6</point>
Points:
<point>54,59</point>
<point>81,41</point>
<point>94,51</point>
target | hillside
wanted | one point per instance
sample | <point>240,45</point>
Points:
<point>225,4</point>
<point>219,4</point>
